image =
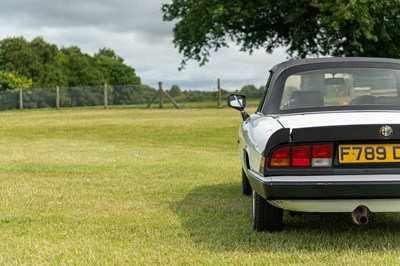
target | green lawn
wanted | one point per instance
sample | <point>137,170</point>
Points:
<point>153,187</point>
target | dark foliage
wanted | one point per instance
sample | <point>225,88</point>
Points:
<point>48,66</point>
<point>309,27</point>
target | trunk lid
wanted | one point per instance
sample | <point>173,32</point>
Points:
<point>308,120</point>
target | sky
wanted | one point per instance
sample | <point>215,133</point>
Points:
<point>135,31</point>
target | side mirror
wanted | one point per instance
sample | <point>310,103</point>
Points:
<point>238,102</point>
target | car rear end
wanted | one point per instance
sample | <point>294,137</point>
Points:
<point>332,168</point>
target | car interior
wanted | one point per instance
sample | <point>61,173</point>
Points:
<point>358,87</point>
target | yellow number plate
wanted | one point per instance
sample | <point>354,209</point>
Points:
<point>369,153</point>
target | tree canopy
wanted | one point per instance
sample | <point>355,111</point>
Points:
<point>114,69</point>
<point>10,80</point>
<point>39,64</point>
<point>307,27</point>
<point>175,91</point>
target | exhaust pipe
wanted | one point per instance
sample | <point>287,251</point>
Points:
<point>360,215</point>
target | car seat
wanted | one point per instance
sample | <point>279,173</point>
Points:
<point>306,99</point>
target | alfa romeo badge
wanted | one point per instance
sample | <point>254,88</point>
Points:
<point>386,131</point>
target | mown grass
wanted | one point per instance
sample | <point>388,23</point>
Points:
<point>122,186</point>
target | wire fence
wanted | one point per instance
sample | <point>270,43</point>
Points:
<point>133,95</point>
<point>74,97</point>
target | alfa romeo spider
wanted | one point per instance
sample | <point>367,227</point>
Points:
<point>325,138</point>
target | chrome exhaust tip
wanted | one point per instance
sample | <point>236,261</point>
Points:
<point>360,215</point>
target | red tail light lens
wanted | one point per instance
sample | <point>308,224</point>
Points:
<point>301,156</point>
<point>280,157</point>
<point>322,151</point>
<point>283,152</point>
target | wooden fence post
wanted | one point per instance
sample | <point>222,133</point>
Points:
<point>105,97</point>
<point>219,94</point>
<point>160,95</point>
<point>21,100</point>
<point>58,98</point>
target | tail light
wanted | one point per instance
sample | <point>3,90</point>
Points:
<point>322,155</point>
<point>317,155</point>
<point>280,157</point>
<point>301,156</point>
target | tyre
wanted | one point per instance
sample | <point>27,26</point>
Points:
<point>246,187</point>
<point>265,216</point>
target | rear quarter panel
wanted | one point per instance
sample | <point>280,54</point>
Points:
<point>253,136</point>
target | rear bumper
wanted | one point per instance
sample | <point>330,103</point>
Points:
<point>325,187</point>
<point>331,206</point>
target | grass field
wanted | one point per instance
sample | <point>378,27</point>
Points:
<point>100,187</point>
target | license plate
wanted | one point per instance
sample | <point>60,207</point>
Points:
<point>369,153</point>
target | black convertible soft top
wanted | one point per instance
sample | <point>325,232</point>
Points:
<point>372,61</point>
<point>270,104</point>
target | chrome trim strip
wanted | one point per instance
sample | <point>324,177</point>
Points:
<point>323,178</point>
<point>338,205</point>
<point>259,177</point>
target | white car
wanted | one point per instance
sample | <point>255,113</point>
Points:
<point>325,138</point>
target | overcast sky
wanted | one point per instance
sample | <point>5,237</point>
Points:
<point>135,31</point>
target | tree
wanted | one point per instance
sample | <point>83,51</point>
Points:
<point>106,52</point>
<point>114,69</point>
<point>11,81</point>
<point>48,71</point>
<point>309,27</point>
<point>175,91</point>
<point>16,56</point>
<point>80,68</point>
<point>251,91</point>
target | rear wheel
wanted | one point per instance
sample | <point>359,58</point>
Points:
<point>246,187</point>
<point>265,216</point>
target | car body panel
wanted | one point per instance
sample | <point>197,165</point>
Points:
<point>254,134</point>
<point>339,118</point>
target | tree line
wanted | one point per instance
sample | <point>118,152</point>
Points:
<point>38,64</point>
